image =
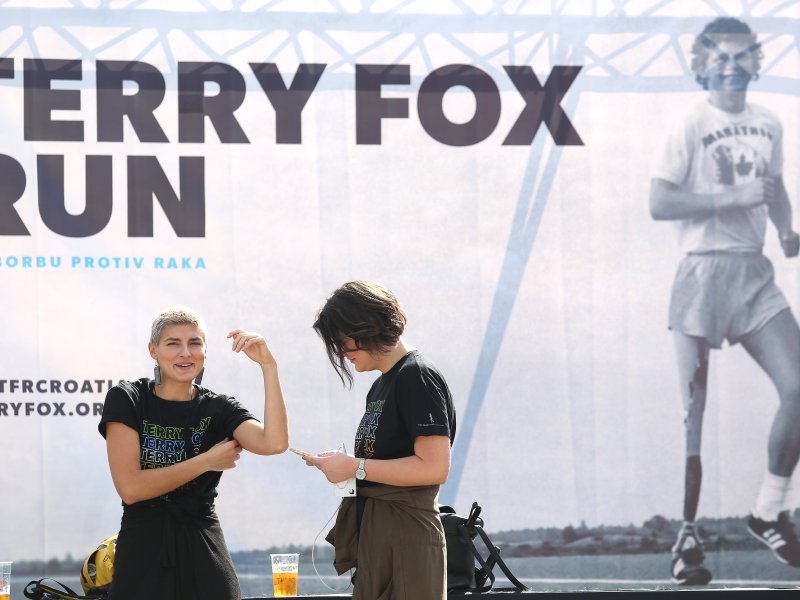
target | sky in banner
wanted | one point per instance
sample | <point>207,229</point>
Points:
<point>532,274</point>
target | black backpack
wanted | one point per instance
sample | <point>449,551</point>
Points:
<point>460,533</point>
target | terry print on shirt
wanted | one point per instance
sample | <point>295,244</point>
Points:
<point>163,446</point>
<point>365,434</point>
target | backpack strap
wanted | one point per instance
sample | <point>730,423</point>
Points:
<point>485,571</point>
<point>36,590</point>
<point>494,558</point>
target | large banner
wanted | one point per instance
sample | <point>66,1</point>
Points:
<point>490,162</point>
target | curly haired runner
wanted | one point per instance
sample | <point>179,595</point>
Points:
<point>719,179</point>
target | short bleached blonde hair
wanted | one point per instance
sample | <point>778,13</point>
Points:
<point>176,315</point>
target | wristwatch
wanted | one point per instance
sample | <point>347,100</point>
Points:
<point>360,472</point>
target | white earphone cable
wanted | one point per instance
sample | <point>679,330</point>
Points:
<point>313,564</point>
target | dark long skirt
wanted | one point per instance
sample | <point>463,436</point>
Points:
<point>165,552</point>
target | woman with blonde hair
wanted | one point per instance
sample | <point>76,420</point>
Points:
<point>168,441</point>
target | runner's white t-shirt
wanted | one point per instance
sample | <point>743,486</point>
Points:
<point>710,150</point>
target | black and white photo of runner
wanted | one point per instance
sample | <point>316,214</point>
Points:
<point>719,180</point>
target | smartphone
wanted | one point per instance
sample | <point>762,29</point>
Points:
<point>301,453</point>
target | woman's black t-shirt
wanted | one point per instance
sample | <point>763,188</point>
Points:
<point>410,400</point>
<point>171,432</point>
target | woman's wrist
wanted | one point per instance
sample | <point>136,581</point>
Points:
<point>201,460</point>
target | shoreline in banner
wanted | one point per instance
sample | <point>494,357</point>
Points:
<point>755,569</point>
<point>184,263</point>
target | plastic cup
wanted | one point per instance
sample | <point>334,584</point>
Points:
<point>284,574</point>
<point>5,580</point>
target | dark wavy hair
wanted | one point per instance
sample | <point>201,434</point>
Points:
<point>364,311</point>
<point>720,29</point>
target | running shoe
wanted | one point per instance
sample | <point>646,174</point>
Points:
<point>687,559</point>
<point>778,536</point>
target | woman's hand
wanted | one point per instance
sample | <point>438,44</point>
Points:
<point>253,345</point>
<point>336,466</point>
<point>223,455</point>
<point>135,484</point>
<point>271,436</point>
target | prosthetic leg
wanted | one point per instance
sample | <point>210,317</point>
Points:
<point>687,566</point>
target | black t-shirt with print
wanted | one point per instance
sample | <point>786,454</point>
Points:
<point>171,432</point>
<point>410,400</point>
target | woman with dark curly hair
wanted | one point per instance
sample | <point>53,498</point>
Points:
<point>390,531</point>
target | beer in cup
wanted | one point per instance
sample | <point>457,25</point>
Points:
<point>284,574</point>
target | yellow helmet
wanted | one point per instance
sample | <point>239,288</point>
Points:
<point>98,568</point>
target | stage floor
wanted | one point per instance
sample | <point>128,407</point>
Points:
<point>681,594</point>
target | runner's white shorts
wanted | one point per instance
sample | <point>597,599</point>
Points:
<point>724,295</point>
